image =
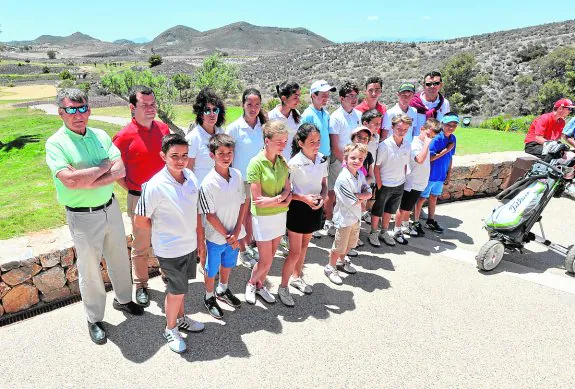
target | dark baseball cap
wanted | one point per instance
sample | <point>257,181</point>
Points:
<point>406,86</point>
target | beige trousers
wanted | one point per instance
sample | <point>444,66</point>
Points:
<point>141,246</point>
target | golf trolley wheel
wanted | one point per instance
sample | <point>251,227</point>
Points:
<point>570,260</point>
<point>490,255</point>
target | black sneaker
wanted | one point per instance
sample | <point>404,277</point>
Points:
<point>213,308</point>
<point>434,226</point>
<point>130,307</point>
<point>229,298</point>
<point>416,229</point>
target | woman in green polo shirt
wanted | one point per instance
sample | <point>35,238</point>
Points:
<point>267,174</point>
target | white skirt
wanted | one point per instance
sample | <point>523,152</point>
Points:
<point>269,227</point>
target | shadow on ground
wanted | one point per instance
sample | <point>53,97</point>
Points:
<point>19,142</point>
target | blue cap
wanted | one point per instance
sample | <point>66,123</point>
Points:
<point>450,118</point>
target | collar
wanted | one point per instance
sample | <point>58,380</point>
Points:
<point>322,110</point>
<point>245,125</point>
<point>74,135</point>
<point>139,127</point>
<point>261,157</point>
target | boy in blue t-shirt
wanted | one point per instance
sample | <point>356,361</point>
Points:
<point>441,159</point>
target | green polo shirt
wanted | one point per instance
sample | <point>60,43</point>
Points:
<point>272,178</point>
<point>65,148</point>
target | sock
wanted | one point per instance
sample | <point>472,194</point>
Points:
<point>221,288</point>
<point>396,229</point>
<point>209,295</point>
<point>390,232</point>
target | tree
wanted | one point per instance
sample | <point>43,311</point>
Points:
<point>182,82</point>
<point>217,75</point>
<point>65,75</point>
<point>120,83</point>
<point>51,54</point>
<point>552,91</point>
<point>463,80</point>
<point>155,60</point>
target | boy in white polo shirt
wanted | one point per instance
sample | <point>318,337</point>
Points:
<point>224,204</point>
<point>405,93</point>
<point>390,169</point>
<point>168,205</point>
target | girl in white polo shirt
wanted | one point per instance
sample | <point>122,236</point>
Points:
<point>308,176</point>
<point>289,93</point>
<point>247,133</point>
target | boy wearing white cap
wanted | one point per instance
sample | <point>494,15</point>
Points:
<point>317,115</point>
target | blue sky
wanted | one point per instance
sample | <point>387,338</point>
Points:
<point>354,21</point>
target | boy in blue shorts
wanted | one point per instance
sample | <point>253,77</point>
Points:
<point>441,160</point>
<point>223,202</point>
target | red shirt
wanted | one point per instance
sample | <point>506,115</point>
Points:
<point>364,107</point>
<point>140,150</point>
<point>547,126</point>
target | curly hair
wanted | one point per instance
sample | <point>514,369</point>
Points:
<point>205,97</point>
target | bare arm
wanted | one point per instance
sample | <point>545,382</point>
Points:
<point>142,222</point>
<point>377,175</point>
<point>569,140</point>
<point>122,183</point>
<point>73,178</point>
<point>448,178</point>
<point>116,172</point>
<point>420,158</point>
<point>201,237</point>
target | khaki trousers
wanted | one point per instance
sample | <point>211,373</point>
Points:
<point>141,246</point>
<point>95,234</point>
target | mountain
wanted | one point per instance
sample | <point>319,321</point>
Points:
<point>74,39</point>
<point>123,42</point>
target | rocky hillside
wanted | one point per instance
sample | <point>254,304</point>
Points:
<point>498,56</point>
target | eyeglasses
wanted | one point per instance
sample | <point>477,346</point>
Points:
<point>73,110</point>
<point>434,83</point>
<point>208,111</point>
<point>351,97</point>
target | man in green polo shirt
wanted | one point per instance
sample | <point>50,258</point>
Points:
<point>85,164</point>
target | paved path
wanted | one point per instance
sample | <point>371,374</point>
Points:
<point>420,315</point>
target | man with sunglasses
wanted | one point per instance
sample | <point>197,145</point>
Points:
<point>85,164</point>
<point>430,103</point>
<point>140,143</point>
<point>547,127</point>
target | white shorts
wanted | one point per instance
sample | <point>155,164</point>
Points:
<point>269,227</point>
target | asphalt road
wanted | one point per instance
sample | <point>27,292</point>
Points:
<point>420,315</point>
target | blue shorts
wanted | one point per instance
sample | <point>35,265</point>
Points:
<point>433,187</point>
<point>220,254</point>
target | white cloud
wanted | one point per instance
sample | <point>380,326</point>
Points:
<point>372,18</point>
<point>426,17</point>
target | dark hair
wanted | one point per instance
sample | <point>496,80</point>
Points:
<point>374,80</point>
<point>433,74</point>
<point>347,87</point>
<point>132,94</point>
<point>172,140</point>
<point>301,135</point>
<point>205,97</point>
<point>221,140</point>
<point>286,89</point>
<point>369,115</point>
<point>254,92</point>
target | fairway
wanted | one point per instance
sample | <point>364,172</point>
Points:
<point>27,92</point>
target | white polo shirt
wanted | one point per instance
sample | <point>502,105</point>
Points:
<point>249,142</point>
<point>306,175</point>
<point>292,126</point>
<point>418,176</point>
<point>347,210</point>
<point>342,124</point>
<point>373,145</point>
<point>223,198</point>
<point>412,113</point>
<point>173,208</point>
<point>393,161</point>
<point>445,108</point>
<point>198,141</point>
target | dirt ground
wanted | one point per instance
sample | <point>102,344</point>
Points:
<point>27,92</point>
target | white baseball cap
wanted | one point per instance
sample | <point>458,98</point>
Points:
<point>321,86</point>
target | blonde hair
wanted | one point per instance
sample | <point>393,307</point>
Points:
<point>403,118</point>
<point>274,127</point>
<point>352,147</point>
<point>432,124</point>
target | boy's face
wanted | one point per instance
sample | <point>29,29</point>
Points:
<point>449,128</point>
<point>320,99</point>
<point>404,97</point>
<point>373,91</point>
<point>361,137</point>
<point>428,133</point>
<point>176,158</point>
<point>355,160</point>
<point>400,129</point>
<point>223,156</point>
<point>374,125</point>
<point>349,101</point>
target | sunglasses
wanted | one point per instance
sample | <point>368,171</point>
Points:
<point>208,111</point>
<point>435,83</point>
<point>73,110</point>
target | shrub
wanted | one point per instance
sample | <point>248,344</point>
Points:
<point>67,84</point>
<point>508,123</point>
<point>155,60</point>
<point>532,51</point>
<point>271,104</point>
<point>51,54</point>
<point>85,86</point>
<point>45,70</point>
<point>27,60</point>
<point>65,75</point>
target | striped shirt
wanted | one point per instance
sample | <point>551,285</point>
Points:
<point>347,209</point>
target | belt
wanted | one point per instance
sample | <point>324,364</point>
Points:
<point>91,209</point>
<point>135,192</point>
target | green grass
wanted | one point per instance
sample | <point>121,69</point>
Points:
<point>183,113</point>
<point>481,140</point>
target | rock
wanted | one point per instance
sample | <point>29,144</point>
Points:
<point>10,265</point>
<point>1,310</point>
<point>445,196</point>
<point>457,195</point>
<point>72,273</point>
<point>67,257</point>
<point>56,294</point>
<point>21,274</point>
<point>475,185</point>
<point>20,298</point>
<point>461,172</point>
<point>74,288</point>
<point>482,171</point>
<point>455,186</point>
<point>492,190</point>
<point>468,192</point>
<point>50,259</point>
<point>4,288</point>
<point>50,280</point>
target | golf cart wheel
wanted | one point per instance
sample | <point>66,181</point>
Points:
<point>570,260</point>
<point>490,255</point>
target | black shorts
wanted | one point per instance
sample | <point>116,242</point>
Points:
<point>409,199</point>
<point>302,219</point>
<point>387,199</point>
<point>178,271</point>
<point>535,149</point>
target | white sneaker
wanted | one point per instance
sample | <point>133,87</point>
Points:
<point>387,238</point>
<point>346,266</point>
<point>264,293</point>
<point>301,285</point>
<point>246,260</point>
<point>406,231</point>
<point>285,297</point>
<point>332,274</point>
<point>175,341</point>
<point>366,217</point>
<point>187,324</point>
<point>352,253</point>
<point>360,243</point>
<point>329,228</point>
<point>250,293</point>
<point>253,253</point>
<point>374,239</point>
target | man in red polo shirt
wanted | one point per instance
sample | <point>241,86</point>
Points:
<point>140,143</point>
<point>547,127</point>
